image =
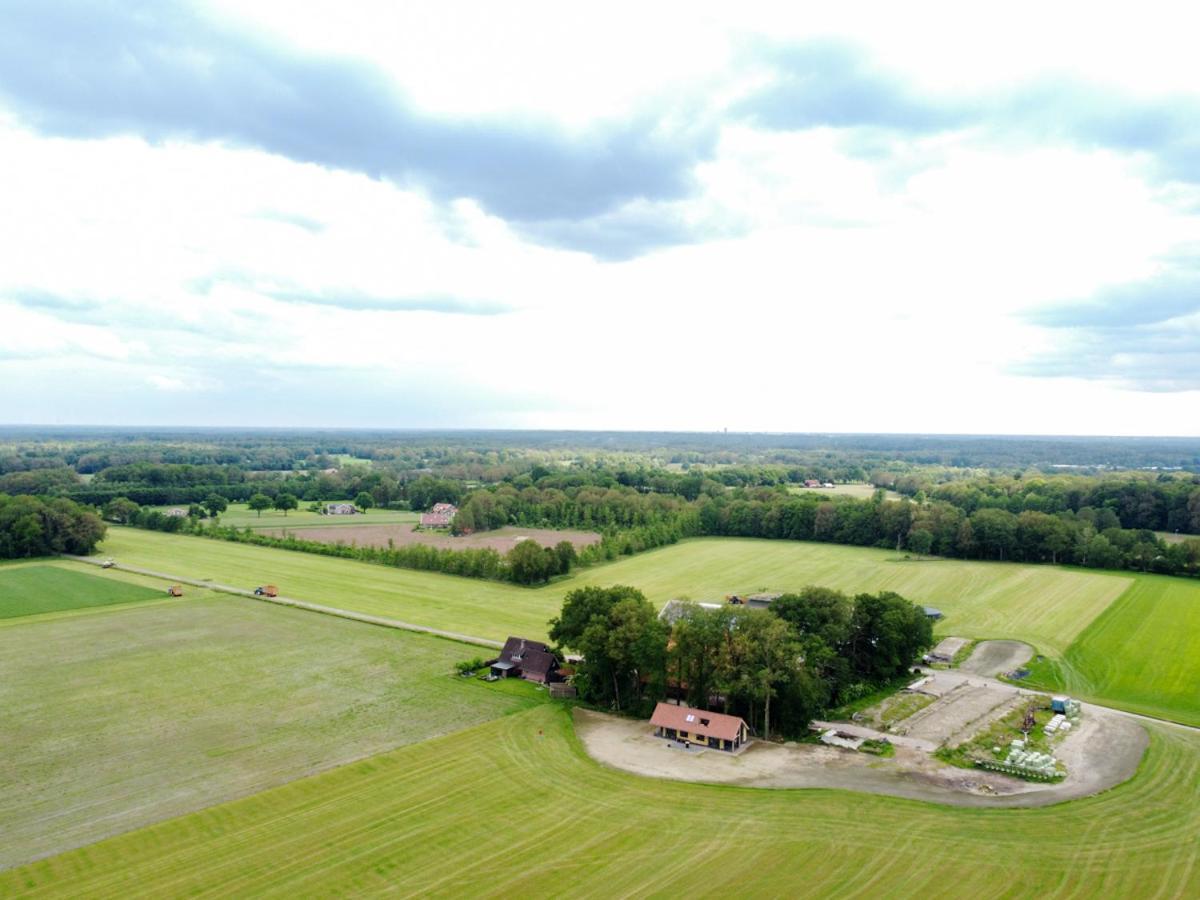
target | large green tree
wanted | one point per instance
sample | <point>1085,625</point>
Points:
<point>285,501</point>
<point>259,502</point>
<point>215,504</point>
<point>121,509</point>
<point>887,633</point>
<point>622,641</point>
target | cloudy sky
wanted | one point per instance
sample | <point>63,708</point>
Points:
<point>907,217</point>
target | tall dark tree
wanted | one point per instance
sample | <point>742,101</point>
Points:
<point>887,633</point>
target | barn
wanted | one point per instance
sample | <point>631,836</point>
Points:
<point>699,726</point>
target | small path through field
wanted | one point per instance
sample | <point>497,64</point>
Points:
<point>300,604</point>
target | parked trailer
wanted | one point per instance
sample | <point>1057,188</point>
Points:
<point>175,590</point>
<point>267,590</point>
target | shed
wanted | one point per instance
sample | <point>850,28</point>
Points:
<point>762,600</point>
<point>677,609</point>
<point>699,726</point>
<point>932,611</point>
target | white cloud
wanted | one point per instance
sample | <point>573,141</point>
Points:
<point>817,279</point>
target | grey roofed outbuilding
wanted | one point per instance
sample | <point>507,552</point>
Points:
<point>932,611</point>
<point>505,666</point>
<point>676,609</point>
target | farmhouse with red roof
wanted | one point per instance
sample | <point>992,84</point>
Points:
<point>440,516</point>
<point>699,726</point>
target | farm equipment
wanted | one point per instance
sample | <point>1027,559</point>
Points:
<point>107,564</point>
<point>175,590</point>
<point>266,590</point>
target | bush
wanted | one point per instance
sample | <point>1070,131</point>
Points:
<point>470,666</point>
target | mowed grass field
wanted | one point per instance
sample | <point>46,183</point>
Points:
<point>514,808</point>
<point>1043,605</point>
<point>857,490</point>
<point>35,589</point>
<point>1142,653</point>
<point>123,716</point>
<point>242,516</point>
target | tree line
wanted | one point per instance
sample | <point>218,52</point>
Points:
<point>1089,536</point>
<point>778,668</point>
<point>30,526</point>
<point>1159,503</point>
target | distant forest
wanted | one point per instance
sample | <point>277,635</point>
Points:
<point>1096,502</point>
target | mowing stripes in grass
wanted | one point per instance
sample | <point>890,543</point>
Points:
<point>31,590</point>
<point>109,721</point>
<point>1044,605</point>
<point>514,807</point>
<point>1142,654</point>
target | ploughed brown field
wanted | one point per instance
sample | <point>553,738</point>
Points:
<point>502,539</point>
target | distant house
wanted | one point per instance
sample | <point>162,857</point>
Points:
<point>811,483</point>
<point>675,609</point>
<point>440,516</point>
<point>531,660</point>
<point>699,726</point>
<point>177,511</point>
<point>340,509</point>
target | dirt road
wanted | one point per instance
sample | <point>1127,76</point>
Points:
<point>300,604</point>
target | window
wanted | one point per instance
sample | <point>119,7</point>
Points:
<point>704,721</point>
<point>691,718</point>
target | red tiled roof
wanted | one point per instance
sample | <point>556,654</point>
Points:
<point>709,724</point>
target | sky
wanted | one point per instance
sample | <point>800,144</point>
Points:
<point>678,216</point>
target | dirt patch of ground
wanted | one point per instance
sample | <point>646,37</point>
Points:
<point>947,647</point>
<point>992,658</point>
<point>1101,754</point>
<point>959,713</point>
<point>501,540</point>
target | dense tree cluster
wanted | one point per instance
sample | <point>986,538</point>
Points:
<point>33,527</point>
<point>1085,538</point>
<point>644,491</point>
<point>778,668</point>
<point>1162,503</point>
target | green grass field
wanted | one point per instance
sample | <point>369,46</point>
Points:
<point>1142,653</point>
<point>856,490</point>
<point>30,590</point>
<point>514,807</point>
<point>1046,606</point>
<point>114,719</point>
<point>240,515</point>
